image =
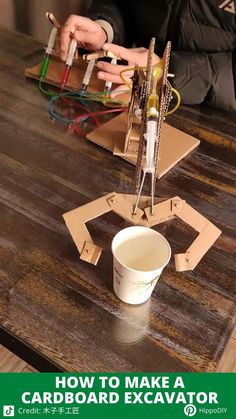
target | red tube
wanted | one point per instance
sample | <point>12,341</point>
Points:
<point>92,115</point>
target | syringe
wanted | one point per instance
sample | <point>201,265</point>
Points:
<point>69,62</point>
<point>88,75</point>
<point>108,84</point>
<point>48,52</point>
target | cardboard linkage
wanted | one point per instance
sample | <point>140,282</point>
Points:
<point>165,210</point>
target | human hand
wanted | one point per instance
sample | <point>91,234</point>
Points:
<point>111,72</point>
<point>87,32</point>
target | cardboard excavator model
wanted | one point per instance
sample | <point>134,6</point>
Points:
<point>140,136</point>
<point>142,141</point>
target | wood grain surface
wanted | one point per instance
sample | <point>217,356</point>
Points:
<point>64,310</point>
<point>11,363</point>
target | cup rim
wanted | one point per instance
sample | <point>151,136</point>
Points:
<point>144,228</point>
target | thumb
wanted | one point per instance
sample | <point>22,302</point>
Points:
<point>83,38</point>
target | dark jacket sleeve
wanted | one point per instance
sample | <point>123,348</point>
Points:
<point>112,12</point>
<point>201,77</point>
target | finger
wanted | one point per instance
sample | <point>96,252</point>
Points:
<point>78,22</point>
<point>64,44</point>
<point>135,56</point>
<point>111,77</point>
<point>111,68</point>
<point>139,49</point>
<point>73,22</point>
<point>118,51</point>
<point>129,54</point>
<point>119,90</point>
<point>66,30</point>
<point>83,37</point>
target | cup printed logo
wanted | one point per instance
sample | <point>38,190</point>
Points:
<point>144,286</point>
<point>117,275</point>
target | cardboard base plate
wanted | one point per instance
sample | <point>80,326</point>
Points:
<point>175,144</point>
<point>55,71</point>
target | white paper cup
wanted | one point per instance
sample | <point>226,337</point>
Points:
<point>139,256</point>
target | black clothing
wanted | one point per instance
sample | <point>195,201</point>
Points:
<point>203,42</point>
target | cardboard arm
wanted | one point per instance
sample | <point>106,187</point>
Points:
<point>76,220</point>
<point>208,233</point>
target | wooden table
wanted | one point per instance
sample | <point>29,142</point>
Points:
<point>60,313</point>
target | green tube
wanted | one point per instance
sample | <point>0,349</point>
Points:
<point>44,66</point>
